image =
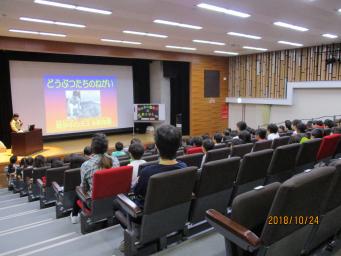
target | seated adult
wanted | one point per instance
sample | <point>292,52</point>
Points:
<point>167,140</point>
<point>273,132</point>
<point>207,145</point>
<point>244,137</point>
<point>100,160</point>
<point>136,151</point>
<point>241,126</point>
<point>300,135</point>
<point>87,152</point>
<point>260,134</point>
<point>118,150</point>
<point>196,142</point>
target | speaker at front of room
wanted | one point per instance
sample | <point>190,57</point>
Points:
<point>211,83</point>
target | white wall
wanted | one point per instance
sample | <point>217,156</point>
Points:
<point>308,103</point>
<point>159,88</point>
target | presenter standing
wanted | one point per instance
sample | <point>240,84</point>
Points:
<point>16,124</point>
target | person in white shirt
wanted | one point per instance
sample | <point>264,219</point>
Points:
<point>273,132</point>
<point>136,151</point>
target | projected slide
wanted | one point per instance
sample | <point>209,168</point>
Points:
<point>80,103</point>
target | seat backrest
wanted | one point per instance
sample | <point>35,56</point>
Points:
<point>334,198</point>
<point>281,141</point>
<point>151,158</point>
<point>55,174</point>
<point>38,173</point>
<point>124,162</point>
<point>254,166</point>
<point>338,148</point>
<point>251,208</point>
<point>308,152</point>
<point>27,173</point>
<point>110,182</point>
<point>72,179</point>
<point>284,159</point>
<point>241,150</point>
<point>191,160</point>
<point>328,146</point>
<point>167,203</point>
<point>217,176</point>
<point>217,154</point>
<point>194,150</point>
<point>179,152</point>
<point>141,166</point>
<point>261,145</point>
<point>302,195</point>
<point>220,145</point>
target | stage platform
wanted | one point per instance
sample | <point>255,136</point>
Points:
<point>65,147</point>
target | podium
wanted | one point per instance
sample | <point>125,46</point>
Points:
<point>27,143</point>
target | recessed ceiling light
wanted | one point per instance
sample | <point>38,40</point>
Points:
<point>330,36</point>
<point>36,32</point>
<point>52,22</point>
<point>255,48</point>
<point>181,47</point>
<point>290,26</point>
<point>119,41</point>
<point>243,35</point>
<point>223,10</point>
<point>290,43</point>
<point>227,53</point>
<point>177,24</point>
<point>339,10</point>
<point>207,42</point>
<point>73,7</point>
<point>144,34</point>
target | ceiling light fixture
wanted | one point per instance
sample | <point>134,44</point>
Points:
<point>223,10</point>
<point>73,7</point>
<point>244,35</point>
<point>52,22</point>
<point>290,26</point>
<point>227,53</point>
<point>177,24</point>
<point>144,34</point>
<point>290,43</point>
<point>36,32</point>
<point>119,41</point>
<point>255,48</point>
<point>181,47</point>
<point>330,36</point>
<point>207,42</point>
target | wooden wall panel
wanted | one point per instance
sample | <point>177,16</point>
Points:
<point>268,72</point>
<point>205,117</point>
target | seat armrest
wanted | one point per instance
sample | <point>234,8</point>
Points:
<point>129,206</point>
<point>40,183</point>
<point>232,231</point>
<point>58,189</point>
<point>83,196</point>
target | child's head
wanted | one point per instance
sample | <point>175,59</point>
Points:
<point>135,140</point>
<point>218,137</point>
<point>119,146</point>
<point>272,128</point>
<point>87,151</point>
<point>136,151</point>
<point>245,136</point>
<point>260,134</point>
<point>241,126</point>
<point>281,129</point>
<point>316,133</point>
<point>30,161</point>
<point>301,128</point>
<point>207,145</point>
<point>197,141</point>
<point>23,162</point>
<point>337,130</point>
<point>13,159</point>
<point>39,161</point>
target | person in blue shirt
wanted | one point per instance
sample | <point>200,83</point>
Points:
<point>167,141</point>
<point>119,150</point>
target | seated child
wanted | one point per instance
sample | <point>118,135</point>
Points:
<point>136,151</point>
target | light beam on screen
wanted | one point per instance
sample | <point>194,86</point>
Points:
<point>78,103</point>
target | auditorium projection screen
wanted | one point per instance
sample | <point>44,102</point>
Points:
<point>64,98</point>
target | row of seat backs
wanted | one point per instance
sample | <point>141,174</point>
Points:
<point>308,194</point>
